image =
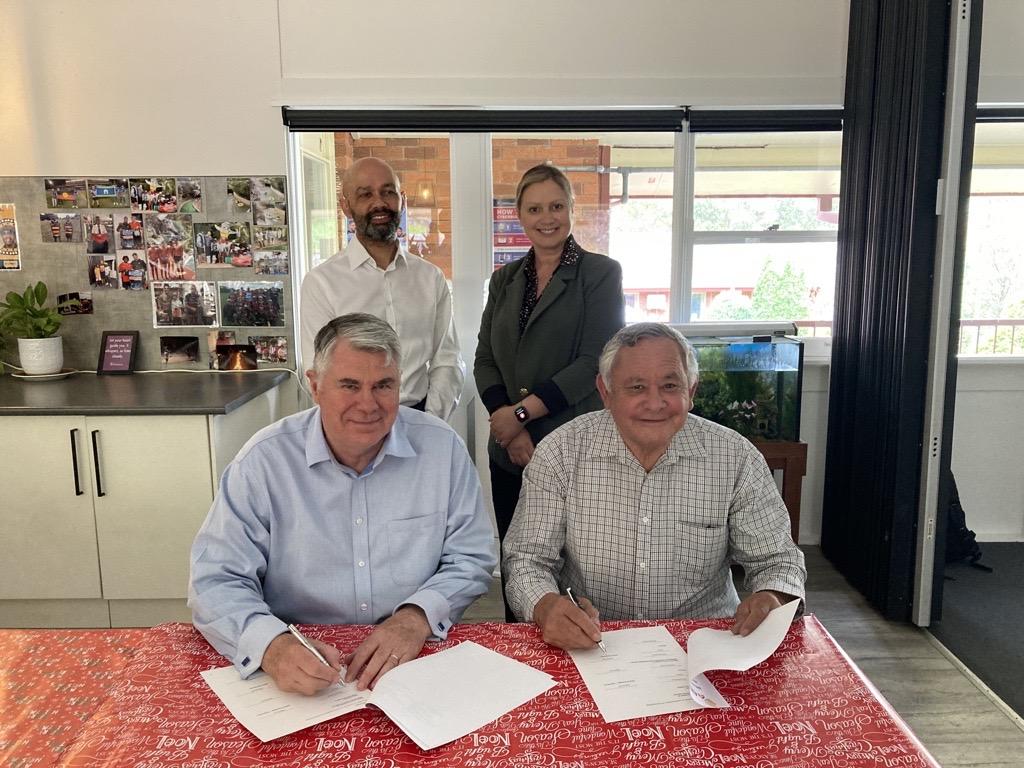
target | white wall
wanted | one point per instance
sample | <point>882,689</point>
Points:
<point>118,87</point>
<point>195,86</point>
<point>574,52</point>
<point>988,447</point>
<point>1002,64</point>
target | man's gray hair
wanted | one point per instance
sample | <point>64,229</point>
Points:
<point>364,332</point>
<point>633,334</point>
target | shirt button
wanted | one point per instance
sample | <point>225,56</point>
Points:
<point>643,566</point>
<point>363,607</point>
<point>359,521</point>
<point>645,519</point>
<point>361,564</point>
<point>523,391</point>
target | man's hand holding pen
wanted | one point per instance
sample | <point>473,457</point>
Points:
<point>294,668</point>
<point>565,624</point>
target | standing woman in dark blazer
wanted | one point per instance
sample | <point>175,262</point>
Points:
<point>547,318</point>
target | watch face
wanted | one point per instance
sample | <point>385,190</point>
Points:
<point>521,414</point>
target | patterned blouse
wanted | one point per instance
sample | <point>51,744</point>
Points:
<point>571,253</point>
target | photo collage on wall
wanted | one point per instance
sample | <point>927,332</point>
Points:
<point>149,234</point>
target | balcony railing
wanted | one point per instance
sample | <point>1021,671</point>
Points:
<point>991,337</point>
<point>977,337</point>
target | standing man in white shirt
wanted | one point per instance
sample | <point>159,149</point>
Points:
<point>374,274</point>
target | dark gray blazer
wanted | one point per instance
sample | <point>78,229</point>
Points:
<point>556,357</point>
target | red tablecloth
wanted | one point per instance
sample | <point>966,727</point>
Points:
<point>51,682</point>
<point>805,707</point>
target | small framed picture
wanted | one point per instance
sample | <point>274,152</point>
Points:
<point>117,352</point>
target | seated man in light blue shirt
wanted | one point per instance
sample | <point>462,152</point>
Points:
<point>356,511</point>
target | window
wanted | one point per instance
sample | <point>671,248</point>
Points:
<point>736,220</point>
<point>992,301</point>
<point>765,218</point>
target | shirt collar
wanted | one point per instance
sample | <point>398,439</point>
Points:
<point>395,444</point>
<point>357,255</point>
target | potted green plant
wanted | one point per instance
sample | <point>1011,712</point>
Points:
<point>26,317</point>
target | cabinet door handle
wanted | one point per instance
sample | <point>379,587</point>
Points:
<point>96,463</point>
<point>74,461</point>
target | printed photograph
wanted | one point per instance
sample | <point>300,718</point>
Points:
<point>156,194</point>
<point>239,191</point>
<point>10,258</point>
<point>131,270</point>
<point>108,193</point>
<point>270,262</point>
<point>129,231</point>
<point>60,227</point>
<point>75,303</point>
<point>190,194</point>
<point>270,237</point>
<point>269,201</point>
<point>103,270</point>
<point>170,246</point>
<point>215,339</point>
<point>66,193</point>
<point>228,244</point>
<point>179,349</point>
<point>270,349</point>
<point>251,304</point>
<point>236,357</point>
<point>98,231</point>
<point>184,303</point>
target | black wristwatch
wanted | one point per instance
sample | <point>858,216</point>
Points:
<point>522,415</point>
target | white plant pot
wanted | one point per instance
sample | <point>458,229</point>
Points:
<point>41,356</point>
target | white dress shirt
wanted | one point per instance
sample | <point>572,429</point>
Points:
<point>412,295</point>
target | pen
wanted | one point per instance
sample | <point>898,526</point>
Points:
<point>572,599</point>
<point>307,645</point>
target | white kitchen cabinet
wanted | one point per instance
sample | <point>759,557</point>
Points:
<point>48,535</point>
<point>153,484</point>
<point>98,512</point>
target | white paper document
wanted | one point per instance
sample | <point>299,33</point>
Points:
<point>646,672</point>
<point>434,699</point>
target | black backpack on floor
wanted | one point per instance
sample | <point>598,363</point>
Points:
<point>961,544</point>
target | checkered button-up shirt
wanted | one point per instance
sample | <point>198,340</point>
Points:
<point>648,545</point>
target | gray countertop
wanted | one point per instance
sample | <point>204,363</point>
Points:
<point>140,394</point>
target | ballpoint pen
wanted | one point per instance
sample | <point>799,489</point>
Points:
<point>572,599</point>
<point>307,645</point>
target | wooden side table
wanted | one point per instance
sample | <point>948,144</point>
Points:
<point>791,458</point>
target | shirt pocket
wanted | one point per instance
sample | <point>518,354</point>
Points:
<point>701,548</point>
<point>414,545</point>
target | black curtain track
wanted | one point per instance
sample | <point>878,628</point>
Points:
<point>483,120</point>
<point>892,134</point>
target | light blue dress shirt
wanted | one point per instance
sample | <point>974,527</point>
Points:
<point>295,536</point>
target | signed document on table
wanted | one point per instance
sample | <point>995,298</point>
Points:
<point>434,699</point>
<point>646,672</point>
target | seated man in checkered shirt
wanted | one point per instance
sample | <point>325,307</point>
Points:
<point>643,507</point>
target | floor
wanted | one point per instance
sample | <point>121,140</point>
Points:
<point>983,620</point>
<point>952,717</point>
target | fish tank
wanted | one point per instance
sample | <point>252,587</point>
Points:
<point>751,384</point>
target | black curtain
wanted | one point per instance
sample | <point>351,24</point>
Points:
<point>892,136</point>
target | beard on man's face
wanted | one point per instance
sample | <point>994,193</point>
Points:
<point>382,232</point>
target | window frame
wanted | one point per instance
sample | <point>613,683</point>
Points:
<point>684,122</point>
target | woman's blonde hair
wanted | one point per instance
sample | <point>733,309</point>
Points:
<point>544,172</point>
